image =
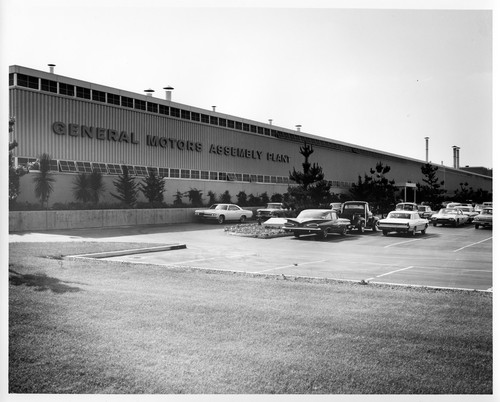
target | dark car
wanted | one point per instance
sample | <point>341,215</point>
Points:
<point>360,215</point>
<point>320,222</point>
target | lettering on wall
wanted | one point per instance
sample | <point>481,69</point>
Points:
<point>107,134</point>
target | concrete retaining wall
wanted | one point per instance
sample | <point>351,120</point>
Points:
<point>20,221</point>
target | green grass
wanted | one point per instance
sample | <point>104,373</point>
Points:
<point>93,326</point>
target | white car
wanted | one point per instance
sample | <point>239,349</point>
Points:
<point>224,212</point>
<point>449,216</point>
<point>403,222</point>
<point>467,210</point>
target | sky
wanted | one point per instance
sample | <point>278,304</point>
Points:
<point>382,75</point>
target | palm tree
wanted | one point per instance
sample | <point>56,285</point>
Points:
<point>43,181</point>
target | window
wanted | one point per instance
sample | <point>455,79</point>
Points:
<point>152,170</point>
<point>267,131</point>
<point>127,102</point>
<point>114,169</point>
<point>223,176</point>
<point>83,93</point>
<point>130,169</point>
<point>174,173</point>
<point>230,123</point>
<point>238,125</point>
<point>140,104</point>
<point>99,167</point>
<point>237,176</point>
<point>98,96</point>
<point>213,175</point>
<point>27,81</point>
<point>273,179</point>
<point>67,166</point>
<point>205,118</point>
<point>204,175</point>
<point>141,171</point>
<point>214,120</point>
<point>222,122</point>
<point>195,174</point>
<point>152,107</point>
<point>49,86</point>
<point>185,114</point>
<point>164,110</point>
<point>11,79</point>
<point>195,116</point>
<point>260,130</point>
<point>267,179</point>
<point>246,127</point>
<point>113,99</point>
<point>246,177</point>
<point>83,167</point>
<point>231,177</point>
<point>253,129</point>
<point>185,174</point>
<point>260,178</point>
<point>25,161</point>
<point>253,178</point>
<point>163,172</point>
<point>279,179</point>
<point>66,89</point>
<point>175,112</point>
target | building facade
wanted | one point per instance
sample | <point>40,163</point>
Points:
<point>85,126</point>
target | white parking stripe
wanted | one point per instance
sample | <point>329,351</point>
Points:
<point>389,273</point>
<point>402,242</point>
<point>473,244</point>
<point>292,265</point>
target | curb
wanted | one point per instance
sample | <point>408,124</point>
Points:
<point>108,254</point>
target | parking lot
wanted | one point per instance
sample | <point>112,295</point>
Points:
<point>444,257</point>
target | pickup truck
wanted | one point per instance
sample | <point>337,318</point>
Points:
<point>360,215</point>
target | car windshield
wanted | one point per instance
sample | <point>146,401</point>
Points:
<point>399,215</point>
<point>309,214</point>
<point>354,206</point>
<point>448,211</point>
<point>487,211</point>
<point>405,207</point>
<point>421,209</point>
<point>273,206</point>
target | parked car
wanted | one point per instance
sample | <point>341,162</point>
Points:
<point>224,212</point>
<point>406,206</point>
<point>272,210</point>
<point>403,222</point>
<point>360,215</point>
<point>336,206</point>
<point>425,211</point>
<point>485,218</point>
<point>449,216</point>
<point>467,210</point>
<point>320,222</point>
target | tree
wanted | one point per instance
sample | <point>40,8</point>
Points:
<point>225,197</point>
<point>264,198</point>
<point>376,189</point>
<point>195,197</point>
<point>178,199</point>
<point>431,192</point>
<point>126,187</point>
<point>464,194</point>
<point>153,188</point>
<point>242,199</point>
<point>312,188</point>
<point>277,197</point>
<point>211,198</point>
<point>15,173</point>
<point>43,180</point>
<point>88,187</point>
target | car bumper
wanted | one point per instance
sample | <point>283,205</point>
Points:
<point>393,228</point>
<point>317,230</point>
<point>483,223</point>
<point>444,222</point>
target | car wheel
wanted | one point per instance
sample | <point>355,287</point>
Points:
<point>221,219</point>
<point>434,224</point>
<point>476,226</point>
<point>455,224</point>
<point>243,218</point>
<point>361,228</point>
<point>413,232</point>
<point>323,234</point>
<point>343,231</point>
<point>423,230</point>
<point>375,226</point>
<point>296,234</point>
<point>385,232</point>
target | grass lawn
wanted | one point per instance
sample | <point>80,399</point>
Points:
<point>78,326</point>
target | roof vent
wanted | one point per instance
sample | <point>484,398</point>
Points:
<point>51,68</point>
<point>149,92</point>
<point>168,92</point>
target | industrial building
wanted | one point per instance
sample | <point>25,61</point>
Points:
<point>85,126</point>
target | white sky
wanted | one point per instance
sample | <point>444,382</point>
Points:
<point>378,77</point>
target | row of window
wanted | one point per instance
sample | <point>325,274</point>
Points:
<point>28,81</point>
<point>134,170</point>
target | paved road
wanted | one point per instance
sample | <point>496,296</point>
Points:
<point>444,257</point>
